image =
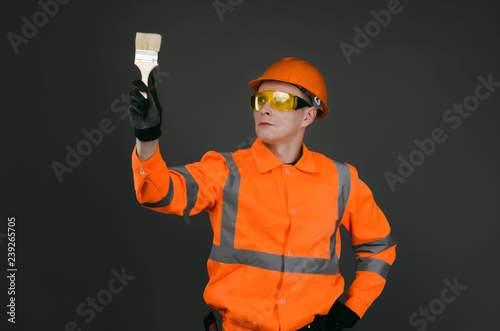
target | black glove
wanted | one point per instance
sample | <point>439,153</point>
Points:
<point>145,114</point>
<point>339,317</point>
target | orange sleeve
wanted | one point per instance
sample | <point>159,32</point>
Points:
<point>373,244</point>
<point>184,190</point>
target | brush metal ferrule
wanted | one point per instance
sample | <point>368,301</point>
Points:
<point>146,56</point>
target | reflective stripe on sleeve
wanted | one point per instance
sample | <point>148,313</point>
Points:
<point>165,201</point>
<point>375,246</point>
<point>230,203</point>
<point>191,188</point>
<point>372,264</point>
<point>336,263</point>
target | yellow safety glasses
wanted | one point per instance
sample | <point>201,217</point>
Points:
<point>278,100</point>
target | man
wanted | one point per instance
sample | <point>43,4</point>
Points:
<point>275,211</point>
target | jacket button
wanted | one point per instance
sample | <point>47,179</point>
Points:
<point>141,171</point>
<point>287,171</point>
<point>294,211</point>
<point>290,253</point>
<point>283,301</point>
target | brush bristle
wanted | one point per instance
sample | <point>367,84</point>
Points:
<point>148,41</point>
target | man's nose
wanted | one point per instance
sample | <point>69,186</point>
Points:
<point>266,108</point>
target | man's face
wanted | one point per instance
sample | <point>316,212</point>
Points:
<point>283,126</point>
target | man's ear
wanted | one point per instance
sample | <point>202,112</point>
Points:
<point>310,115</point>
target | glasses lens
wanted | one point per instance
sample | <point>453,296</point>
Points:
<point>278,100</point>
<point>280,96</point>
<point>252,102</point>
<point>281,101</point>
<point>261,101</point>
<point>257,101</point>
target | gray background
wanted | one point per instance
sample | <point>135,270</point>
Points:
<point>72,234</point>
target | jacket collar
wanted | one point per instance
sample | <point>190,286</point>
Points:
<point>266,160</point>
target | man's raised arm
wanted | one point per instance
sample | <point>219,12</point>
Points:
<point>146,149</point>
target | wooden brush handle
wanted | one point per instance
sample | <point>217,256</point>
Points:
<point>145,69</point>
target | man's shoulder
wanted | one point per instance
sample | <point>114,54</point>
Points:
<point>225,157</point>
<point>332,161</point>
<point>327,159</point>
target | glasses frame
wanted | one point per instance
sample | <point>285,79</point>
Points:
<point>298,101</point>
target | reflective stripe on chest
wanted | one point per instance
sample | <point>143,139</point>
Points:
<point>227,253</point>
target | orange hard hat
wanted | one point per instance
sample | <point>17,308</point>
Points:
<point>298,72</point>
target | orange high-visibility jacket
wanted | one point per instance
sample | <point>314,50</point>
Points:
<point>274,262</point>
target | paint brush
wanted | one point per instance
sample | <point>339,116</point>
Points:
<point>147,46</point>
